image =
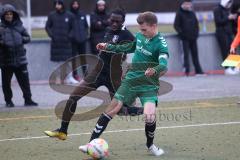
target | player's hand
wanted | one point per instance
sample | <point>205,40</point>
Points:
<point>150,72</point>
<point>233,51</point>
<point>232,16</point>
<point>101,46</point>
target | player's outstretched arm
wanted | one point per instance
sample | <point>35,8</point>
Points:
<point>122,48</point>
<point>126,48</point>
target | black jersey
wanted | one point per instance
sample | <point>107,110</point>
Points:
<point>111,71</point>
<point>114,37</point>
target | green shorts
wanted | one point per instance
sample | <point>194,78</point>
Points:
<point>127,94</point>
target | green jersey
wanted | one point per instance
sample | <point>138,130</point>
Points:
<point>148,53</point>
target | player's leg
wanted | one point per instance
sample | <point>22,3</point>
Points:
<point>150,121</point>
<point>195,59</point>
<point>150,103</point>
<point>7,73</point>
<point>113,109</point>
<point>186,64</point>
<point>104,119</point>
<point>22,76</point>
<point>122,95</point>
<point>83,89</point>
<point>126,109</point>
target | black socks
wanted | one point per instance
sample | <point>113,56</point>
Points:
<point>149,132</point>
<point>69,110</point>
<point>100,126</point>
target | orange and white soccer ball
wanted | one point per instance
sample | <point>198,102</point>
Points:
<point>98,149</point>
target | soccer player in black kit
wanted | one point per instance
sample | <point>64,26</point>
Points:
<point>108,72</point>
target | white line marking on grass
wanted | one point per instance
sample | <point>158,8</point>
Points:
<point>202,106</point>
<point>131,130</point>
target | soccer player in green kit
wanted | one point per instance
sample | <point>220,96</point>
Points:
<point>142,79</point>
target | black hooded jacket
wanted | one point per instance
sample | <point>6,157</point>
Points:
<point>1,9</point>
<point>222,23</point>
<point>59,27</point>
<point>97,32</point>
<point>80,25</point>
<point>13,36</point>
<point>186,24</point>
<point>112,63</point>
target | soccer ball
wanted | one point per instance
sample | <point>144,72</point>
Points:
<point>98,149</point>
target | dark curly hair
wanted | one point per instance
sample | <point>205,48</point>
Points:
<point>119,11</point>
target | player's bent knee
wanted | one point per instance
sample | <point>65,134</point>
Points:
<point>114,108</point>
<point>150,118</point>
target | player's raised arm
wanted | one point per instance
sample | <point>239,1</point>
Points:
<point>159,69</point>
<point>163,61</point>
<point>163,56</point>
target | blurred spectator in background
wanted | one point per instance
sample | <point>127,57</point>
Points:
<point>13,58</point>
<point>59,27</point>
<point>1,8</point>
<point>234,11</point>
<point>99,21</point>
<point>186,25</point>
<point>79,36</point>
<point>224,33</point>
<point>236,41</point>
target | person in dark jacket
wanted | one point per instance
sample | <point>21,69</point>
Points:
<point>13,58</point>
<point>186,25</point>
<point>99,21</point>
<point>108,75</point>
<point>224,32</point>
<point>59,27</point>
<point>1,9</point>
<point>79,35</point>
<point>235,13</point>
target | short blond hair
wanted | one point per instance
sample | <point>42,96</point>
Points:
<point>147,17</point>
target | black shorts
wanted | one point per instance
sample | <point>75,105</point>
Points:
<point>103,78</point>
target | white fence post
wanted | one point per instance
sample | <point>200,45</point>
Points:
<point>29,28</point>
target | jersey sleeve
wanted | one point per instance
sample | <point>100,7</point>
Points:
<point>162,56</point>
<point>163,47</point>
<point>126,48</point>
